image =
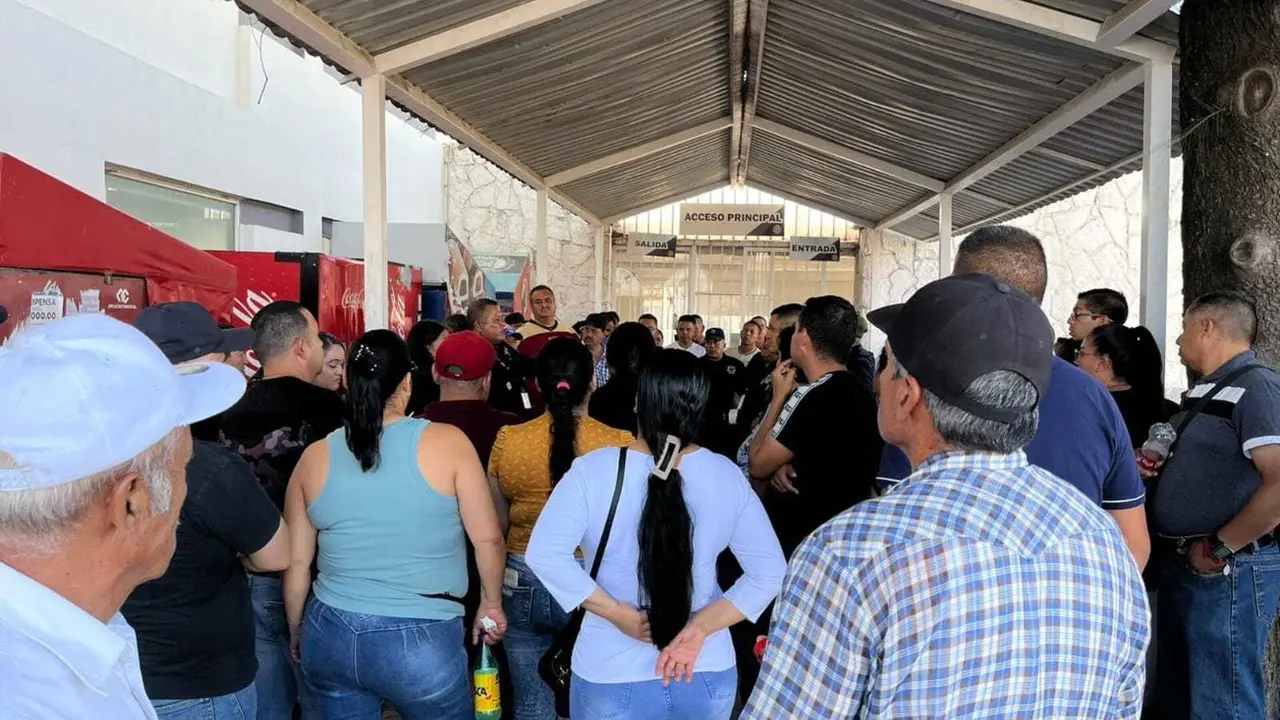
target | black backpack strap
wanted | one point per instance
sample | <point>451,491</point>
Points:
<point>613,510</point>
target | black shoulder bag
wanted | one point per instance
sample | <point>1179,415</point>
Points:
<point>554,667</point>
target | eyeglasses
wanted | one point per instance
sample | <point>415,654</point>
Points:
<point>1078,316</point>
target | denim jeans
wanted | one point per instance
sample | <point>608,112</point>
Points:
<point>708,697</point>
<point>237,706</point>
<point>1212,633</point>
<point>278,682</point>
<point>352,662</point>
<point>533,619</point>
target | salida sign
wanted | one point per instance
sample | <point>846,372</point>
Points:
<point>815,249</point>
<point>651,245</point>
<point>741,220</point>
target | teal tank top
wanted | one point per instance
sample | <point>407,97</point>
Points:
<point>387,539</point>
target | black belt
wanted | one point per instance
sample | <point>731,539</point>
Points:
<point>1181,543</point>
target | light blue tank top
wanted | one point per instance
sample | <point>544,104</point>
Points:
<point>386,538</point>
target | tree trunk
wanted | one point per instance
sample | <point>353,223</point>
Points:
<point>1229,97</point>
<point>1230,110</point>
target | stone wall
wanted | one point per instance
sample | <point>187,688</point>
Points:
<point>1092,240</point>
<point>492,212</point>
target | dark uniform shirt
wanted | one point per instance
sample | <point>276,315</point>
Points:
<point>507,390</point>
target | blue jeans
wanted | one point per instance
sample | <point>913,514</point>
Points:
<point>1212,633</point>
<point>352,662</point>
<point>709,697</point>
<point>277,681</point>
<point>533,619</point>
<point>237,706</point>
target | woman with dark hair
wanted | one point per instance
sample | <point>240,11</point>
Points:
<point>527,461</point>
<point>382,504</point>
<point>1127,361</point>
<point>655,613</point>
<point>424,338</point>
<point>335,363</point>
<point>627,352</point>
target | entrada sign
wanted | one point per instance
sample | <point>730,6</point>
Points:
<point>816,249</point>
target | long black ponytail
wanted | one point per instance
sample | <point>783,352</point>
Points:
<point>378,363</point>
<point>670,404</point>
<point>1135,358</point>
<point>565,370</point>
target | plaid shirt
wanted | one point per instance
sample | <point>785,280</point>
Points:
<point>980,587</point>
<point>602,373</point>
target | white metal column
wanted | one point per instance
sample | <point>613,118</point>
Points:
<point>742,288</point>
<point>946,251</point>
<point>602,237</point>
<point>822,278</point>
<point>1157,128</point>
<point>374,147</point>
<point>692,306</point>
<point>541,261</point>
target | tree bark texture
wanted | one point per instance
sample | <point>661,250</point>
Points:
<point>1229,94</point>
<point>1229,97</point>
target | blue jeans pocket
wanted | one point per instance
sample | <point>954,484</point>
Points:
<point>1266,588</point>
<point>517,603</point>
<point>600,701</point>
<point>720,685</point>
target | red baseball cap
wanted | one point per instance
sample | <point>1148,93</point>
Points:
<point>465,356</point>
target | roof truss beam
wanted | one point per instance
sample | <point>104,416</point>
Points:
<point>475,33</point>
<point>1131,19</point>
<point>675,197</point>
<point>1100,94</point>
<point>847,217</point>
<point>300,23</point>
<point>635,153</point>
<point>757,17</point>
<point>737,46</point>
<point>1061,25</point>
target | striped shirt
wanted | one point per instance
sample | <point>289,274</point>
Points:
<point>979,587</point>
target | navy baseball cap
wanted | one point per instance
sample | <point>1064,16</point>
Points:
<point>957,329</point>
<point>186,331</point>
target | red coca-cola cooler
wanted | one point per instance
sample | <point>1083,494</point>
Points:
<point>64,252</point>
<point>332,288</point>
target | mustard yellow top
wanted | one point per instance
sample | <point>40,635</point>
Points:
<point>520,462</point>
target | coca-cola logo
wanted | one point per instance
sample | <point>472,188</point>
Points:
<point>352,299</point>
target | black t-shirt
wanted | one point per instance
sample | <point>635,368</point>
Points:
<point>830,428</point>
<point>274,422</point>
<point>195,623</point>
<point>507,391</point>
<point>615,403</point>
<point>1141,413</point>
<point>759,392</point>
<point>728,378</point>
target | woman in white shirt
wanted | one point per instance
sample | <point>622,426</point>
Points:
<point>655,641</point>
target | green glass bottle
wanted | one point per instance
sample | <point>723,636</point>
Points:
<point>485,679</point>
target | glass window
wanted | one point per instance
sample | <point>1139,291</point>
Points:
<point>197,220</point>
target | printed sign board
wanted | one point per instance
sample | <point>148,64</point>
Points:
<point>651,244</point>
<point>816,249</point>
<point>740,220</point>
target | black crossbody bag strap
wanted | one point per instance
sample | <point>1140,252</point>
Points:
<point>613,510</point>
<point>1203,401</point>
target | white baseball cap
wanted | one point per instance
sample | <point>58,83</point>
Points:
<point>87,393</point>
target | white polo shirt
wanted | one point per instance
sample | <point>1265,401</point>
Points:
<point>695,349</point>
<point>58,661</point>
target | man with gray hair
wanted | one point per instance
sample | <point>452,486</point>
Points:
<point>982,585</point>
<point>93,450</point>
<point>1216,509</point>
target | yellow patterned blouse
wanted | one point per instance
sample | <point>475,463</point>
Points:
<point>520,463</point>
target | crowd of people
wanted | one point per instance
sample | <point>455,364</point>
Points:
<point>769,525</point>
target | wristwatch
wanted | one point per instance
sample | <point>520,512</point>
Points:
<point>1217,548</point>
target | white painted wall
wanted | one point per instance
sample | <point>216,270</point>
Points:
<point>172,87</point>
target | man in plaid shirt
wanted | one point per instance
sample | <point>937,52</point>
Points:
<point>981,586</point>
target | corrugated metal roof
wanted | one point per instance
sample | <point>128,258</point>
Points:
<point>680,171</point>
<point>910,82</point>
<point>595,82</point>
<point>379,25</point>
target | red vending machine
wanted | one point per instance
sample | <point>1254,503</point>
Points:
<point>64,252</point>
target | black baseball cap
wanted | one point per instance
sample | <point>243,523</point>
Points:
<point>186,331</point>
<point>713,335</point>
<point>957,329</point>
